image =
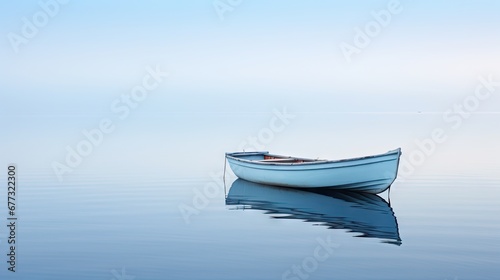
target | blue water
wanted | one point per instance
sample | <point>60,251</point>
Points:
<point>150,204</point>
<point>97,226</point>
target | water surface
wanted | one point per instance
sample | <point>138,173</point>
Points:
<point>135,208</point>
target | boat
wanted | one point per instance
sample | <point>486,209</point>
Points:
<point>367,215</point>
<point>372,174</point>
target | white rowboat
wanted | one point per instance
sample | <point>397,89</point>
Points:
<point>372,174</point>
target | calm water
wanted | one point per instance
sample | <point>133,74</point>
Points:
<point>94,227</point>
<point>134,217</point>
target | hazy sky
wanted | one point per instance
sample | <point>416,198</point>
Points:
<point>63,66</point>
<point>257,49</point>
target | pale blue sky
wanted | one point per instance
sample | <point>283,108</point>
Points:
<point>261,48</point>
<point>264,55</point>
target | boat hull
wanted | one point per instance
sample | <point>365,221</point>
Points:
<point>372,174</point>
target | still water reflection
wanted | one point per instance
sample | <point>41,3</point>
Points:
<point>367,214</point>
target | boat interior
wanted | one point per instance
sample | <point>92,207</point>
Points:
<point>269,158</point>
<point>277,159</point>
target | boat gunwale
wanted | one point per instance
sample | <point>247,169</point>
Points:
<point>307,161</point>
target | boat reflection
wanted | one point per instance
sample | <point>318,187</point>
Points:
<point>367,214</point>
